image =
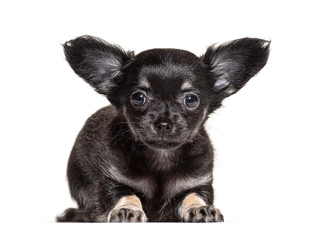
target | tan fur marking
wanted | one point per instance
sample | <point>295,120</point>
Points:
<point>144,83</point>
<point>186,85</point>
<point>131,202</point>
<point>192,200</point>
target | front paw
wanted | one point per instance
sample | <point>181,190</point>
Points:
<point>127,215</point>
<point>203,214</point>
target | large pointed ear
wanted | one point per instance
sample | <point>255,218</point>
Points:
<point>96,61</point>
<point>232,64</point>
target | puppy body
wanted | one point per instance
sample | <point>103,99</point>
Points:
<point>147,157</point>
<point>106,163</point>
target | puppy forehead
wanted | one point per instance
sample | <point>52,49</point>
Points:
<point>167,69</point>
<point>166,79</point>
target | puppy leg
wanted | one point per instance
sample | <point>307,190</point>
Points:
<point>127,209</point>
<point>194,209</point>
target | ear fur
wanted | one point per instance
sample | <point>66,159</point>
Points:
<point>96,61</point>
<point>232,64</point>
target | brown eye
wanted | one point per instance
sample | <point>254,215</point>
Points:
<point>138,99</point>
<point>191,101</point>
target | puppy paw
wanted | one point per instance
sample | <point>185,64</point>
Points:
<point>127,215</point>
<point>127,209</point>
<point>203,214</point>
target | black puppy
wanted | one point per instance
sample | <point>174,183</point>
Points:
<point>147,156</point>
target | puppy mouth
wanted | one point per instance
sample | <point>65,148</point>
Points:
<point>162,144</point>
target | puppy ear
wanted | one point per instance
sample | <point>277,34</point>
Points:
<point>96,61</point>
<point>232,64</point>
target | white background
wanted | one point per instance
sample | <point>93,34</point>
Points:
<point>270,138</point>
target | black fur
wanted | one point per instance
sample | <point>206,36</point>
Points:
<point>158,151</point>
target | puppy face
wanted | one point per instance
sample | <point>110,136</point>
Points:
<point>165,95</point>
<point>165,100</point>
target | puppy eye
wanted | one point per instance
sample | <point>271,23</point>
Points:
<point>138,99</point>
<point>191,101</point>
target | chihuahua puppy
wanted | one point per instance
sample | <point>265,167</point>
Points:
<point>147,156</point>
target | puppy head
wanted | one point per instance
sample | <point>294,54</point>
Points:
<point>165,95</point>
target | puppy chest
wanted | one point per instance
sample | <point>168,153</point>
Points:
<point>164,188</point>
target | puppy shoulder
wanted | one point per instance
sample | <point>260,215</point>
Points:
<point>100,119</point>
<point>104,114</point>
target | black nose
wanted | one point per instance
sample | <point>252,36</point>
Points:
<point>163,127</point>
